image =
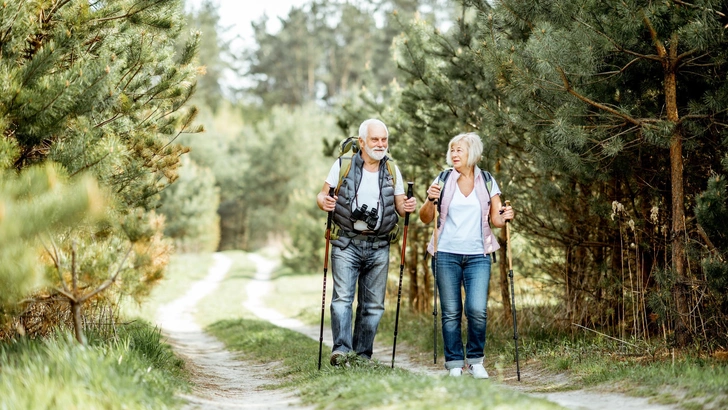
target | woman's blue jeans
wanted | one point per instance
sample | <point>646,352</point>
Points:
<point>471,272</point>
<point>365,264</point>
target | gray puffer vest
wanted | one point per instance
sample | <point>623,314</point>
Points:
<point>347,193</point>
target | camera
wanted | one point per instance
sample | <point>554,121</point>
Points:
<point>369,217</point>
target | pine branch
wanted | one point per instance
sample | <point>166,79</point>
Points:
<point>709,243</point>
<point>528,23</point>
<point>128,14</point>
<point>7,32</point>
<point>691,64</point>
<point>109,281</point>
<point>617,45</point>
<point>108,120</point>
<point>621,70</point>
<point>595,104</point>
<point>89,165</point>
<point>66,294</point>
<point>700,7</point>
<point>56,261</point>
<point>670,59</point>
<point>74,279</point>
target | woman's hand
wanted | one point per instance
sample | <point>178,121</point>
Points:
<point>427,212</point>
<point>507,213</point>
<point>433,192</point>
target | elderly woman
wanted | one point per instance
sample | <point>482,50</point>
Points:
<point>468,202</point>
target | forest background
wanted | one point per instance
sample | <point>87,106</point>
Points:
<point>604,123</point>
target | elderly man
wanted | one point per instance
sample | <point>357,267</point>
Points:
<point>366,211</point>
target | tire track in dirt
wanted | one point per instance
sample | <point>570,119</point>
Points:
<point>221,381</point>
<point>260,286</point>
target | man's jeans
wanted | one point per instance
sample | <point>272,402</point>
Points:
<point>359,263</point>
<point>473,273</point>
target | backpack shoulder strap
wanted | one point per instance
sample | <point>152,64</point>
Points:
<point>441,179</point>
<point>392,170</point>
<point>488,180</point>
<point>344,168</point>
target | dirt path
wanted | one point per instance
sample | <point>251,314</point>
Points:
<point>223,382</point>
<point>260,286</point>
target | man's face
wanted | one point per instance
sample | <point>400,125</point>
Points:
<point>377,142</point>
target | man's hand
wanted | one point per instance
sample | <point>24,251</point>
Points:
<point>410,205</point>
<point>329,202</point>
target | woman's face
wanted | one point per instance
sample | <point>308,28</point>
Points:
<point>459,156</point>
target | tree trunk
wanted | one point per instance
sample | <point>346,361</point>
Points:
<point>682,325</point>
<point>77,322</point>
<point>568,306</point>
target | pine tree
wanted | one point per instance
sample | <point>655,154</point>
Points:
<point>34,205</point>
<point>587,105</point>
<point>99,89</point>
<point>212,53</point>
<point>627,92</point>
<point>190,208</point>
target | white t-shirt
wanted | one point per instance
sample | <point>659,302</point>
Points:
<point>368,191</point>
<point>462,233</point>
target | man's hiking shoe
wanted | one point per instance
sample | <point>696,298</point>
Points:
<point>478,371</point>
<point>456,372</point>
<point>337,358</point>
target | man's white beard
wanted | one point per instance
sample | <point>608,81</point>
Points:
<point>375,155</point>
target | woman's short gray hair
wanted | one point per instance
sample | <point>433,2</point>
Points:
<point>472,142</point>
<point>364,127</point>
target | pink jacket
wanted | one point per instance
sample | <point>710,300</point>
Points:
<point>490,242</point>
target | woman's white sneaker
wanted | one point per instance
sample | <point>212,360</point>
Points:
<point>456,372</point>
<point>478,371</point>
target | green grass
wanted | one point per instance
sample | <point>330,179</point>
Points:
<point>132,371</point>
<point>585,360</point>
<point>298,295</point>
<point>182,272</point>
<point>363,385</point>
<point>693,381</point>
<point>226,302</point>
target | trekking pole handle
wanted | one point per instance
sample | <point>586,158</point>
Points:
<point>508,241</point>
<point>508,203</point>
<point>409,195</point>
<point>330,214</point>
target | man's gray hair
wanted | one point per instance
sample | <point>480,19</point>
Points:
<point>364,127</point>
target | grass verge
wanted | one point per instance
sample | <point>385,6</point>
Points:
<point>551,360</point>
<point>182,272</point>
<point>132,371</point>
<point>293,359</point>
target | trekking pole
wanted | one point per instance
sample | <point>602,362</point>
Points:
<point>513,296</point>
<point>401,270</point>
<point>434,297</point>
<point>326,267</point>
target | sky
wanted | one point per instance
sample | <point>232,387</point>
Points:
<point>238,14</point>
